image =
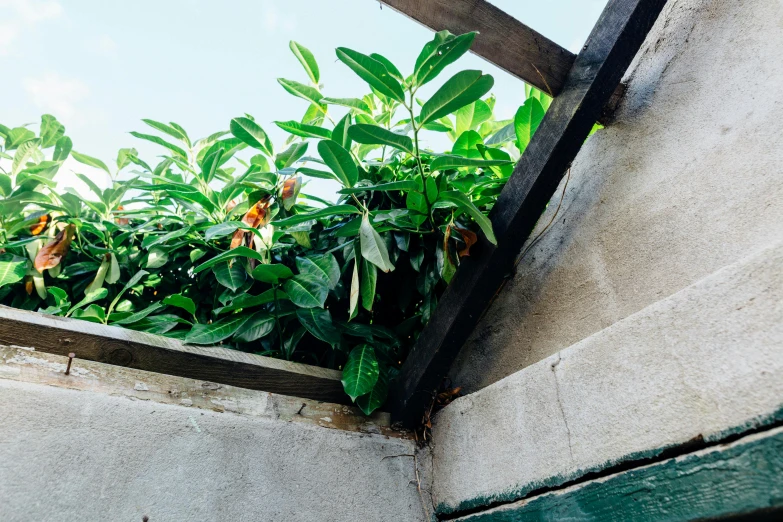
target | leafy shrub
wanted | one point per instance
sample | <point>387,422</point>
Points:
<point>209,248</point>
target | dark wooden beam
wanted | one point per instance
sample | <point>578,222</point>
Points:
<point>503,40</point>
<point>597,71</point>
<point>143,351</point>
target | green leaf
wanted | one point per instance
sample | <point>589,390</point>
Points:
<point>526,121</point>
<point>221,229</point>
<point>373,72</point>
<point>159,141</point>
<point>439,53</point>
<point>389,66</point>
<point>353,299</point>
<point>304,131</point>
<point>230,275</point>
<point>319,323</point>
<point>375,135</point>
<point>167,129</point>
<point>259,325</point>
<point>130,284</point>
<point>301,90</point>
<point>272,274</point>
<point>90,297</point>
<point>370,402</point>
<point>467,145</point>
<point>351,103</point>
<point>306,291</point>
<point>324,267</point>
<point>113,275</point>
<point>251,133</point>
<point>373,246</point>
<point>315,173</point>
<point>249,301</point>
<point>51,131</point>
<point>452,162</point>
<point>339,161</point>
<point>369,277</point>
<point>240,251</point>
<point>180,301</point>
<point>24,152</point>
<point>335,210</point>
<point>152,240</point>
<point>156,258</point>
<point>307,60</point>
<point>141,314</point>
<point>404,185</point>
<point>12,269</point>
<point>461,89</point>
<point>463,202</point>
<point>340,134</point>
<point>291,155</point>
<point>62,149</point>
<point>215,332</point>
<point>360,372</point>
<point>92,313</point>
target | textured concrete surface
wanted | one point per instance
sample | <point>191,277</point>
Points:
<point>707,360</point>
<point>75,455</point>
<point>686,181</point>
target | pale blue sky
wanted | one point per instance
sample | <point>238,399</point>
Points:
<point>100,66</point>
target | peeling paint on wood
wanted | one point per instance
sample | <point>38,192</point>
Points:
<point>745,477</point>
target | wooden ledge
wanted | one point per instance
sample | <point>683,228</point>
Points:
<point>143,351</point>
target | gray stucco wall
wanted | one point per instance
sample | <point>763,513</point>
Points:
<point>687,180</point>
<point>127,444</point>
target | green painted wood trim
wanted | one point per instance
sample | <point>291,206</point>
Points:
<point>739,478</point>
<point>523,490</point>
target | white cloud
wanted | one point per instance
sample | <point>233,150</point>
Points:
<point>20,16</point>
<point>58,95</point>
<point>101,44</point>
<point>274,20</point>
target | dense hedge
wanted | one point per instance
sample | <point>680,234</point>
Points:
<point>210,248</point>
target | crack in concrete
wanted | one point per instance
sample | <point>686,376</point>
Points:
<point>560,405</point>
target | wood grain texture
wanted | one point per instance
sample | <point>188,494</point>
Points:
<point>503,40</point>
<point>597,71</point>
<point>26,365</point>
<point>143,351</point>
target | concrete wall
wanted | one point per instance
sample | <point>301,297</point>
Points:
<point>705,363</point>
<point>109,443</point>
<point>686,181</point>
<point>650,314</point>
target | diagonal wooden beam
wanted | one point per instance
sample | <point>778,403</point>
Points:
<point>504,40</point>
<point>597,71</point>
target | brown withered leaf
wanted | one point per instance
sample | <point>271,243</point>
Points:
<point>230,205</point>
<point>446,237</point>
<point>236,239</point>
<point>41,225</point>
<point>291,191</point>
<point>28,285</point>
<point>121,220</point>
<point>256,217</point>
<point>55,250</point>
<point>470,238</point>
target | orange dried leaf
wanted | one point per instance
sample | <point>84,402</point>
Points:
<point>121,220</point>
<point>470,238</point>
<point>28,285</point>
<point>55,250</point>
<point>236,239</point>
<point>40,226</point>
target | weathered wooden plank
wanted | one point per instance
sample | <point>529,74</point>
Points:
<point>503,40</point>
<point>597,71</point>
<point>25,365</point>
<point>143,351</point>
<point>738,481</point>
